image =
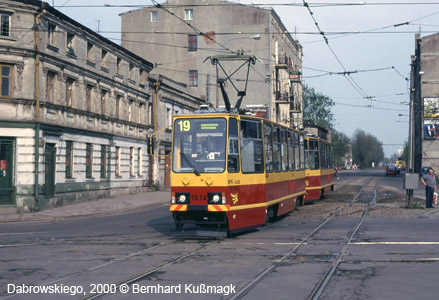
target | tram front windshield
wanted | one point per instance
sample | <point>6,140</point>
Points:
<point>199,145</point>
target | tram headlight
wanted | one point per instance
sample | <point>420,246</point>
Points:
<point>182,198</point>
<point>216,198</point>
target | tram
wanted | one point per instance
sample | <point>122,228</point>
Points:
<point>234,172</point>
<point>320,170</point>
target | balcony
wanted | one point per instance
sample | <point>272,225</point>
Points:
<point>295,107</point>
<point>295,76</point>
<point>282,63</point>
<point>282,97</point>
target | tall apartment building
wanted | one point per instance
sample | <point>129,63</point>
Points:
<point>180,52</point>
<point>424,98</point>
<point>75,111</point>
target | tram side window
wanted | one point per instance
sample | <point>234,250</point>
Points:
<point>302,152</point>
<point>251,147</point>
<point>331,154</point>
<point>284,149</point>
<point>268,141</point>
<point>297,157</point>
<point>313,150</point>
<point>277,161</point>
<point>291,156</point>
<point>306,143</point>
<point>233,157</point>
<point>322,151</point>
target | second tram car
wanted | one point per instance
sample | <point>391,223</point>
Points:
<point>320,170</point>
<point>232,172</point>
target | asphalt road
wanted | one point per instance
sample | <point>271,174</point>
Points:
<point>388,258</point>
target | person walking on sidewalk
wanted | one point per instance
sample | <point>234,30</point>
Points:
<point>429,180</point>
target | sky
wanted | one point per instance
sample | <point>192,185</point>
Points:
<point>362,39</point>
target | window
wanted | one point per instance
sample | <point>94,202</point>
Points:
<point>5,25</point>
<point>251,147</point>
<point>118,102</point>
<point>51,76</point>
<point>104,94</point>
<point>88,97</point>
<point>297,158</point>
<point>233,154</point>
<point>70,83</point>
<point>118,161</point>
<point>313,154</point>
<point>132,75</point>
<point>132,161</point>
<point>277,158</point>
<point>291,154</point>
<point>89,160</point>
<point>69,44</point>
<point>69,159</point>
<point>169,116</point>
<point>139,161</point>
<point>143,77</point>
<point>104,161</point>
<point>104,55</point>
<point>119,66</point>
<point>268,141</point>
<point>6,81</point>
<point>193,42</point>
<point>284,149</point>
<point>130,109</point>
<point>51,34</point>
<point>150,116</point>
<point>141,113</point>
<point>154,16</point>
<point>302,152</point>
<point>90,52</point>
<point>199,145</point>
<point>193,78</point>
<point>188,14</point>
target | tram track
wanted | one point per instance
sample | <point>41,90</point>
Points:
<point>150,272</point>
<point>328,274</point>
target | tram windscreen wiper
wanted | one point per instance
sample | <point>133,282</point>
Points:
<point>190,163</point>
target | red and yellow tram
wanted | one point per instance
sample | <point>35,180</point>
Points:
<point>234,172</point>
<point>320,170</point>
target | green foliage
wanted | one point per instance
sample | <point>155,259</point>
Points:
<point>341,146</point>
<point>366,149</point>
<point>405,152</point>
<point>413,205</point>
<point>317,107</point>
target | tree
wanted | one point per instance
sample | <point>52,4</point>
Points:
<point>317,107</point>
<point>405,152</point>
<point>366,149</point>
<point>341,146</point>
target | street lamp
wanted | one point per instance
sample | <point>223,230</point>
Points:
<point>403,115</point>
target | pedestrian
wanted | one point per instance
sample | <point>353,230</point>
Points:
<point>429,180</point>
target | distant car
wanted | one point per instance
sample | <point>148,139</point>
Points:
<point>423,171</point>
<point>391,170</point>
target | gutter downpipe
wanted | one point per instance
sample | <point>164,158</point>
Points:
<point>152,168</point>
<point>37,103</point>
<point>270,80</point>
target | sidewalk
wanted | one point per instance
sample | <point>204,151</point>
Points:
<point>99,207</point>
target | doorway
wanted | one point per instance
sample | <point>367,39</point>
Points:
<point>49,181</point>
<point>6,171</point>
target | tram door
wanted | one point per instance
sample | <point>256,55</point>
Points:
<point>6,172</point>
<point>49,182</point>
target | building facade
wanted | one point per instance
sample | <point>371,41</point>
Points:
<point>226,27</point>
<point>424,99</point>
<point>75,111</point>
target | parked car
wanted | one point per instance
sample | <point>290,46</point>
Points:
<point>423,171</point>
<point>391,170</point>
